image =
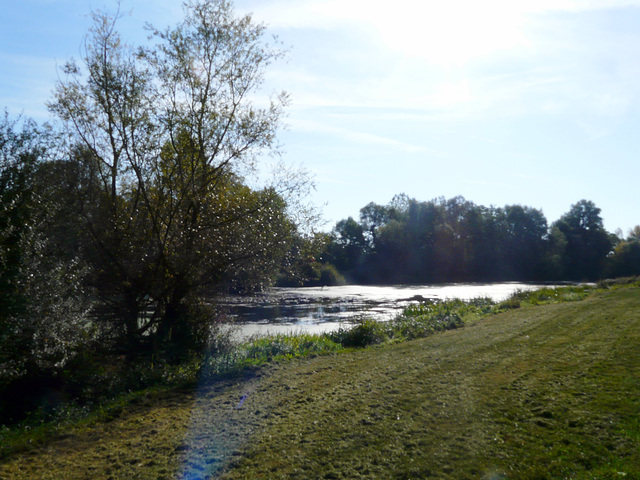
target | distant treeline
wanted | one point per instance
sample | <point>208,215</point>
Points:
<point>453,240</point>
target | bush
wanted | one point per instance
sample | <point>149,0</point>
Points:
<point>418,326</point>
<point>196,328</point>
<point>482,304</point>
<point>365,332</point>
<point>546,295</point>
<point>330,277</point>
<point>312,275</point>
<point>509,303</point>
<point>412,327</point>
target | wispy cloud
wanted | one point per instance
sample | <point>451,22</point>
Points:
<point>357,137</point>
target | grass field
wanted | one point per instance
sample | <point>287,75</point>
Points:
<point>547,392</point>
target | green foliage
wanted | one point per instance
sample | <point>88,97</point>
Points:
<point>323,275</point>
<point>454,240</point>
<point>17,162</point>
<point>329,276</point>
<point>301,265</point>
<point>162,184</point>
<point>260,350</point>
<point>587,242</point>
<point>424,319</point>
<point>305,271</point>
<point>44,301</point>
<point>510,303</point>
<point>347,247</point>
<point>482,304</point>
<point>365,332</point>
<point>618,282</point>
<point>625,260</point>
<point>416,321</point>
<point>289,346</point>
<point>552,295</point>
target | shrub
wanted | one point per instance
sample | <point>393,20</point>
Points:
<point>509,303</point>
<point>311,275</point>
<point>260,350</point>
<point>329,276</point>
<point>417,326</point>
<point>483,304</point>
<point>412,327</point>
<point>365,332</point>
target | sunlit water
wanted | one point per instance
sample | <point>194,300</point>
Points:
<point>316,309</point>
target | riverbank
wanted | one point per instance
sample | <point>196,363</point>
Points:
<point>318,310</point>
<point>545,392</point>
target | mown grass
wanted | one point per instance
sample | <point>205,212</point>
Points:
<point>548,392</point>
<point>226,360</point>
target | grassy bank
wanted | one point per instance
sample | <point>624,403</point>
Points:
<point>546,392</point>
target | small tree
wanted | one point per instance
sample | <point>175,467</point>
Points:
<point>19,154</point>
<point>44,303</point>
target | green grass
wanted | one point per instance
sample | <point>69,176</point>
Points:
<point>519,393</point>
<point>268,348</point>
<point>550,392</point>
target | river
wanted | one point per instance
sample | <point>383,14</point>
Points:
<point>322,309</point>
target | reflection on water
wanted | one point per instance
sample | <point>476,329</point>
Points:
<point>321,309</point>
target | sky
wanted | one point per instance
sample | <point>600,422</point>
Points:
<point>530,102</point>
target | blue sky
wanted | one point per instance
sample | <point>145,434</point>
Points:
<point>532,102</point>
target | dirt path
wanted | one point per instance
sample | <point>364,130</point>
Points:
<point>174,435</point>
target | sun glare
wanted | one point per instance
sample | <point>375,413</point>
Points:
<point>445,33</point>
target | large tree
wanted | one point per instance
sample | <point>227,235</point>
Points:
<point>348,246</point>
<point>587,243</point>
<point>524,242</point>
<point>165,136</point>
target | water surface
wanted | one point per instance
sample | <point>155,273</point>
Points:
<point>321,309</point>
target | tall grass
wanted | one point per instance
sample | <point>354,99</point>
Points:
<point>546,295</point>
<point>259,350</point>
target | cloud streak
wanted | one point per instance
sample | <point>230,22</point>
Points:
<point>358,137</point>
